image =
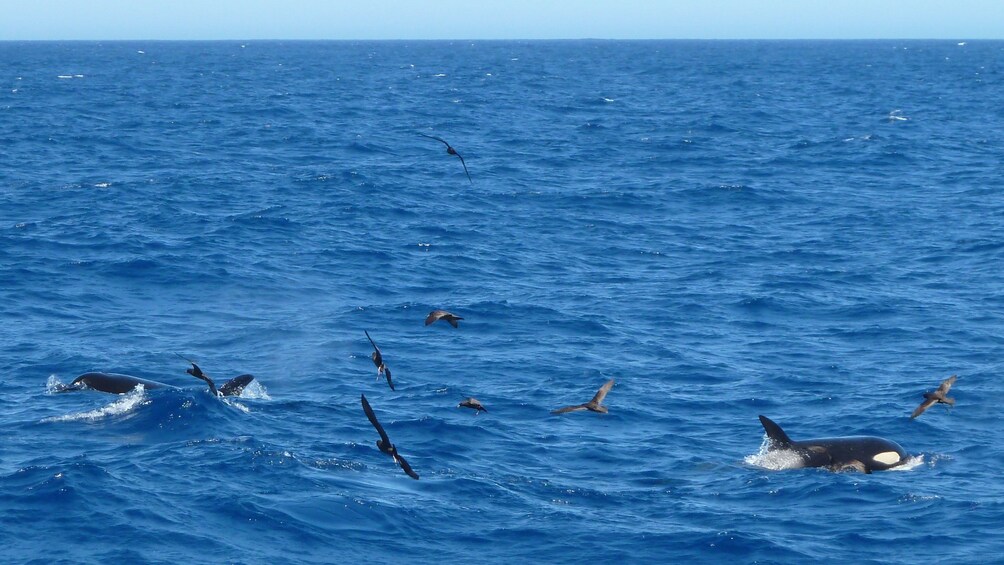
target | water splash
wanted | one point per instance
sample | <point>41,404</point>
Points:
<point>125,403</point>
<point>774,460</point>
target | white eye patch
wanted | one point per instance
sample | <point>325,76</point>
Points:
<point>887,457</point>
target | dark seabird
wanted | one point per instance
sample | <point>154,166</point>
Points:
<point>932,398</point>
<point>450,150</point>
<point>593,404</point>
<point>232,387</point>
<point>384,444</point>
<point>473,403</point>
<point>378,361</point>
<point>436,315</point>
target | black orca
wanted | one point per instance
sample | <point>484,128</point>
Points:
<point>863,453</point>
<point>121,384</point>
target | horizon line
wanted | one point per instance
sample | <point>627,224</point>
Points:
<point>306,39</point>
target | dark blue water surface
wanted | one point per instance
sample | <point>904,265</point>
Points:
<point>813,231</point>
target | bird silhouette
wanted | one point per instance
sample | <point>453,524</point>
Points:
<point>593,405</point>
<point>450,150</point>
<point>384,444</point>
<point>437,315</point>
<point>378,361</point>
<point>233,387</point>
<point>473,403</point>
<point>939,395</point>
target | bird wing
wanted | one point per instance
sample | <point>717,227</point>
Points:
<point>602,393</point>
<point>373,420</point>
<point>185,358</point>
<point>371,341</point>
<point>453,320</point>
<point>439,139</point>
<point>405,466</point>
<point>569,409</point>
<point>946,385</point>
<point>433,316</point>
<point>923,406</point>
<point>386,373</point>
<point>465,167</point>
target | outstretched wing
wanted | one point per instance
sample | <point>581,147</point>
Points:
<point>465,167</point>
<point>373,420</point>
<point>923,406</point>
<point>602,393</point>
<point>946,385</point>
<point>433,316</point>
<point>439,139</point>
<point>405,466</point>
<point>569,409</point>
<point>377,349</point>
<point>386,373</point>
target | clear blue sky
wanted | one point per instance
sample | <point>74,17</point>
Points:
<point>501,19</point>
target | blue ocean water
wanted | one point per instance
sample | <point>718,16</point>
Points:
<point>813,231</point>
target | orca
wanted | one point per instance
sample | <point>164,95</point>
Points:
<point>120,384</point>
<point>862,453</point>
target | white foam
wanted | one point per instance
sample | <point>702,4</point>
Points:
<point>774,460</point>
<point>255,391</point>
<point>125,403</point>
<point>910,463</point>
<point>53,384</point>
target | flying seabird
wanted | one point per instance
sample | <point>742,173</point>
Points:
<point>233,387</point>
<point>450,150</point>
<point>593,404</point>
<point>378,361</point>
<point>932,398</point>
<point>384,444</point>
<point>436,315</point>
<point>473,403</point>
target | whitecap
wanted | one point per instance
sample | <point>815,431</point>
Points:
<point>64,76</point>
<point>125,403</point>
<point>439,75</point>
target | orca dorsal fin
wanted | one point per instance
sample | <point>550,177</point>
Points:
<point>775,433</point>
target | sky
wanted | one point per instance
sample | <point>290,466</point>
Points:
<point>501,19</point>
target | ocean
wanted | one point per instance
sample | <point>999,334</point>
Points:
<point>807,230</point>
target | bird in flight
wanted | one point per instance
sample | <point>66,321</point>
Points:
<point>450,150</point>
<point>384,444</point>
<point>378,361</point>
<point>932,398</point>
<point>594,404</point>
<point>437,315</point>
<point>474,404</point>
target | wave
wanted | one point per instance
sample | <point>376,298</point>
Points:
<point>125,404</point>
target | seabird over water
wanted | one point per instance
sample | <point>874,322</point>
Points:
<point>384,444</point>
<point>450,150</point>
<point>378,361</point>
<point>472,403</point>
<point>594,404</point>
<point>932,398</point>
<point>437,315</point>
